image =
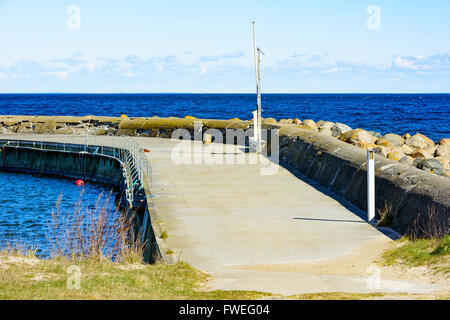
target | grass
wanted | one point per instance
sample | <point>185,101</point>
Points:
<point>337,296</point>
<point>164,235</point>
<point>420,252</point>
<point>29,278</point>
<point>367,296</point>
<point>96,232</point>
<point>80,240</point>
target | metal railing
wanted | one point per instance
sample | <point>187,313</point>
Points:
<point>136,168</point>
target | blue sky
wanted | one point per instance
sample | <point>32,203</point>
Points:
<point>206,46</point>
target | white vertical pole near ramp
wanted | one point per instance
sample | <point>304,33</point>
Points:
<point>370,185</point>
<point>255,125</point>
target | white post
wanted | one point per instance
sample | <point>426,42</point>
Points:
<point>258,103</point>
<point>370,185</point>
<point>255,125</point>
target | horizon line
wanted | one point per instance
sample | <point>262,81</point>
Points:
<point>246,93</point>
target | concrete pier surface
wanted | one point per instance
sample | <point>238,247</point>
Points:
<point>277,233</point>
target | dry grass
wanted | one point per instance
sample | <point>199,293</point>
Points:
<point>95,233</point>
<point>47,279</point>
<point>386,216</point>
<point>434,225</point>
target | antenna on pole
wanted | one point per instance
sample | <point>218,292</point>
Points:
<point>257,115</point>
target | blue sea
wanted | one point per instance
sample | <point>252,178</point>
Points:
<point>28,201</point>
<point>398,113</point>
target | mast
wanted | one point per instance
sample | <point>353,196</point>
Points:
<point>257,56</point>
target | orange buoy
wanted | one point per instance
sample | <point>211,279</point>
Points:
<point>79,182</point>
<point>124,116</point>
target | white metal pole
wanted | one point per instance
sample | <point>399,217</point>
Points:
<point>256,54</point>
<point>259,102</point>
<point>370,185</point>
<point>255,125</point>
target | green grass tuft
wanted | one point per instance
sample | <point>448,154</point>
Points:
<point>164,235</point>
<point>420,252</point>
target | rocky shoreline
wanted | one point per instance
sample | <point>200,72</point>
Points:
<point>415,150</point>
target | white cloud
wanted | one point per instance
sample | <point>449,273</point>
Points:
<point>58,74</point>
<point>436,62</point>
<point>165,73</point>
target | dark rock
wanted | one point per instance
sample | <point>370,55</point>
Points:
<point>339,128</point>
<point>431,165</point>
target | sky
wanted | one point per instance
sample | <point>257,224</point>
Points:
<point>346,46</point>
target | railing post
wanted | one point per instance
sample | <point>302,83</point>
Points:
<point>370,185</point>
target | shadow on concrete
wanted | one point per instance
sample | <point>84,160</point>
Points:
<point>330,220</point>
<point>388,232</point>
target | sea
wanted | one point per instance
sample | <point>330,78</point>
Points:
<point>428,114</point>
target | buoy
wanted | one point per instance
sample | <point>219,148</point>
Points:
<point>79,182</point>
<point>124,116</point>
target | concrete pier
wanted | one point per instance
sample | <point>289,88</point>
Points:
<point>278,233</point>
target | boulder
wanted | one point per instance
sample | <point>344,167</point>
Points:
<point>286,121</point>
<point>445,141</point>
<point>339,128</point>
<point>396,149</point>
<point>394,139</point>
<point>382,142</point>
<point>360,138</point>
<point>431,165</point>
<point>416,161</point>
<point>319,123</point>
<point>407,160</point>
<point>297,121</point>
<point>381,150</point>
<point>270,120</point>
<point>442,150</point>
<point>417,141</point>
<point>424,137</point>
<point>309,124</point>
<point>325,127</point>
<point>395,155</point>
<point>357,135</point>
<point>420,153</point>
<point>431,150</point>
<point>375,134</point>
<point>406,149</point>
<point>445,162</point>
<point>406,136</point>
